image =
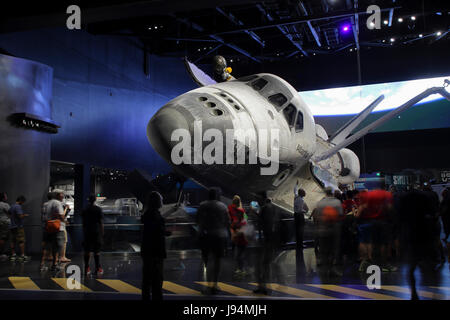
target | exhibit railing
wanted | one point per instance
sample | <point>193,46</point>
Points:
<point>126,237</point>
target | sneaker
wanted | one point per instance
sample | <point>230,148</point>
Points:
<point>23,258</point>
<point>393,268</point>
<point>237,274</point>
<point>389,268</point>
<point>363,266</point>
<point>99,271</point>
<point>244,273</point>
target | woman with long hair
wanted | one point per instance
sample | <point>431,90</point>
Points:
<point>238,221</point>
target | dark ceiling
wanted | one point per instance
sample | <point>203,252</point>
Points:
<point>273,36</point>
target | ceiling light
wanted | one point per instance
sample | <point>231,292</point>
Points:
<point>156,27</point>
<point>372,24</point>
<point>392,40</point>
<point>420,35</point>
<point>413,18</point>
<point>400,19</point>
<point>386,22</point>
<point>351,50</point>
<point>149,28</point>
<point>345,28</point>
<point>438,33</point>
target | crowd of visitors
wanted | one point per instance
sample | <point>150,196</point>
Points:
<point>369,227</point>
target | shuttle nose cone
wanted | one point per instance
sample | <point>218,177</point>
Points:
<point>161,127</point>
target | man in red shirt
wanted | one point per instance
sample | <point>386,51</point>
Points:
<point>375,225</point>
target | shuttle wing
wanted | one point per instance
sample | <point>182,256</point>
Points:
<point>200,77</point>
<point>435,90</point>
<point>346,129</point>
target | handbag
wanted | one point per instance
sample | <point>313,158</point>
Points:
<point>53,226</point>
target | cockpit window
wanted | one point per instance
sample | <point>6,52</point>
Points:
<point>289,114</point>
<point>259,84</point>
<point>299,122</point>
<point>278,100</point>
<point>248,78</point>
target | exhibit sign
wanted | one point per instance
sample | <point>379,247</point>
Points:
<point>445,176</point>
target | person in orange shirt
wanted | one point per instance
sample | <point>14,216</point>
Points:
<point>329,215</point>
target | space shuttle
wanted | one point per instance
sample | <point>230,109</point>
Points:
<point>263,119</point>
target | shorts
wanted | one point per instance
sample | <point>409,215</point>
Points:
<point>365,232</point>
<point>213,245</point>
<point>381,232</point>
<point>46,239</point>
<point>57,240</point>
<point>17,235</point>
<point>92,243</point>
<point>4,231</point>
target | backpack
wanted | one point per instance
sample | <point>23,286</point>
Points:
<point>52,226</point>
<point>329,214</point>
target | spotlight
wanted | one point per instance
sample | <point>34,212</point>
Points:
<point>156,27</point>
<point>149,28</point>
<point>400,19</point>
<point>392,40</point>
<point>413,18</point>
<point>345,28</point>
<point>439,13</point>
<point>420,35</point>
<point>386,22</point>
<point>438,33</point>
<point>372,25</point>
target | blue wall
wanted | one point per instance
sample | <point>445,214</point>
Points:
<point>101,97</point>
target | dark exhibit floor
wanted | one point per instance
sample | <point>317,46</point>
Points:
<point>184,278</point>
